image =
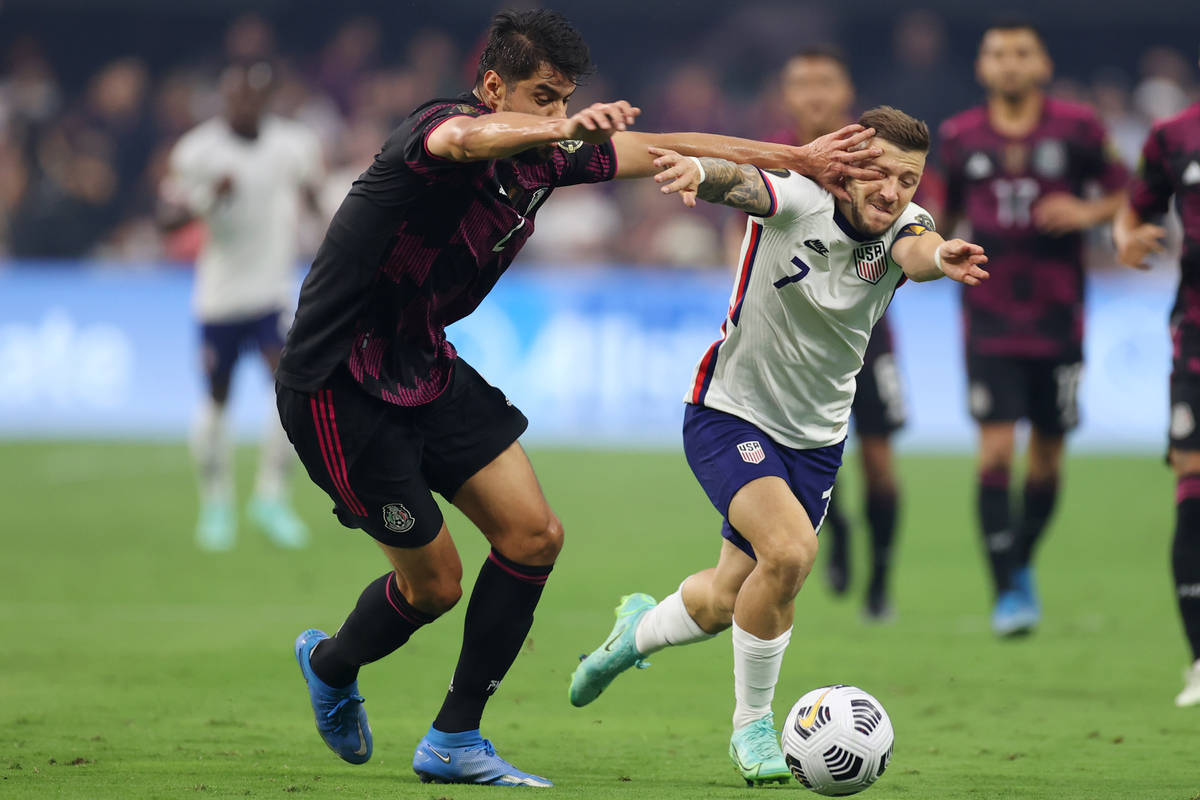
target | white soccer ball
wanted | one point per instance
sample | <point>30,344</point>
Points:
<point>837,740</point>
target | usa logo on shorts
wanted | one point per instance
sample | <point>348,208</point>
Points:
<point>398,518</point>
<point>870,260</point>
<point>751,452</point>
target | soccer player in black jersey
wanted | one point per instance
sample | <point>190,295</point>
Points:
<point>382,411</point>
<point>1170,166</point>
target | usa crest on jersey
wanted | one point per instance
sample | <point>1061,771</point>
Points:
<point>751,452</point>
<point>870,261</point>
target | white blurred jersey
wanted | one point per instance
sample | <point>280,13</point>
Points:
<point>247,265</point>
<point>808,290</point>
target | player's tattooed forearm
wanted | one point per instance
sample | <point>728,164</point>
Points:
<point>736,185</point>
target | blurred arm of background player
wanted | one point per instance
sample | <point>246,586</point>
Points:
<point>1136,239</point>
<point>1062,212</point>
<point>827,160</point>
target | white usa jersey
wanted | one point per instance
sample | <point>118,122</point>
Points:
<point>248,264</point>
<point>808,290</point>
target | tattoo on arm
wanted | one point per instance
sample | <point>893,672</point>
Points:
<point>736,185</point>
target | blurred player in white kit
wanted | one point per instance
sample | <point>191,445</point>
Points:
<point>248,175</point>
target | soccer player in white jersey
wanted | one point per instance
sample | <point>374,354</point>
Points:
<point>248,175</point>
<point>769,404</point>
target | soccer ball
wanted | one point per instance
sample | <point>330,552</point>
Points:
<point>837,740</point>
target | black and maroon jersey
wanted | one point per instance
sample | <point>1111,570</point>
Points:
<point>1170,165</point>
<point>1032,306</point>
<point>416,245</point>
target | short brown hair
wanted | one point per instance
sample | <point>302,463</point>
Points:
<point>907,133</point>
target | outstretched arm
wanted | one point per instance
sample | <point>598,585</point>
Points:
<point>828,160</point>
<point>506,133</point>
<point>927,256</point>
<point>739,186</point>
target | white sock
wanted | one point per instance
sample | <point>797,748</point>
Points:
<point>667,624</point>
<point>275,459</point>
<point>756,664</point>
<point>213,453</point>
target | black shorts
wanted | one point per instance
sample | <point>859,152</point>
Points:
<point>1042,390</point>
<point>1185,403</point>
<point>879,408</point>
<point>381,463</point>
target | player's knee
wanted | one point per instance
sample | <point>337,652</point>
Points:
<point>437,595</point>
<point>789,560</point>
<point>538,545</point>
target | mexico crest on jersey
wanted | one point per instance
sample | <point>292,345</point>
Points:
<point>751,452</point>
<point>870,261</point>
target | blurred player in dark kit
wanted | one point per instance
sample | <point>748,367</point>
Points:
<point>383,412</point>
<point>1017,169</point>
<point>818,95</point>
<point>1170,166</point>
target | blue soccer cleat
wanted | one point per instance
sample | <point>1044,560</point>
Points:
<point>341,720</point>
<point>467,758</point>
<point>756,754</point>
<point>618,653</point>
<point>1013,614</point>
<point>1022,583</point>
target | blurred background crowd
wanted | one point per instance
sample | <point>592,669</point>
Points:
<point>90,109</point>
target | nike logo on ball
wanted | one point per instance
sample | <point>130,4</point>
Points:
<point>811,717</point>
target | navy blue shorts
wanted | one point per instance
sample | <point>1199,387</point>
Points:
<point>223,342</point>
<point>727,452</point>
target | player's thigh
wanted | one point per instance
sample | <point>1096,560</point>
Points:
<point>506,503</point>
<point>1045,455</point>
<point>769,515</point>
<point>269,333</point>
<point>1183,431</point>
<point>366,455</point>
<point>473,459</point>
<point>878,464</point>
<point>430,576</point>
<point>879,408</point>
<point>996,388</point>
<point>997,440</point>
<point>220,345</point>
<point>1053,396</point>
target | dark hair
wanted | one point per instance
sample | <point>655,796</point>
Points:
<point>907,133</point>
<point>519,42</point>
<point>1016,24</point>
<point>826,51</point>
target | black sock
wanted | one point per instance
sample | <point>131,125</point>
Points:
<point>836,530</point>
<point>996,526</point>
<point>1185,557</point>
<point>1040,497</point>
<point>381,622</point>
<point>499,616</point>
<point>881,519</point>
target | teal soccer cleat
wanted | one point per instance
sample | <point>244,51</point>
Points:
<point>618,653</point>
<point>341,720</point>
<point>467,758</point>
<point>756,753</point>
<point>216,530</point>
<point>279,522</point>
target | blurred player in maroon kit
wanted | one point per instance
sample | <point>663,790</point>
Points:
<point>818,94</point>
<point>1016,169</point>
<point>1170,165</point>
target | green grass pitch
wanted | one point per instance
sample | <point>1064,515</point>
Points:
<point>133,666</point>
